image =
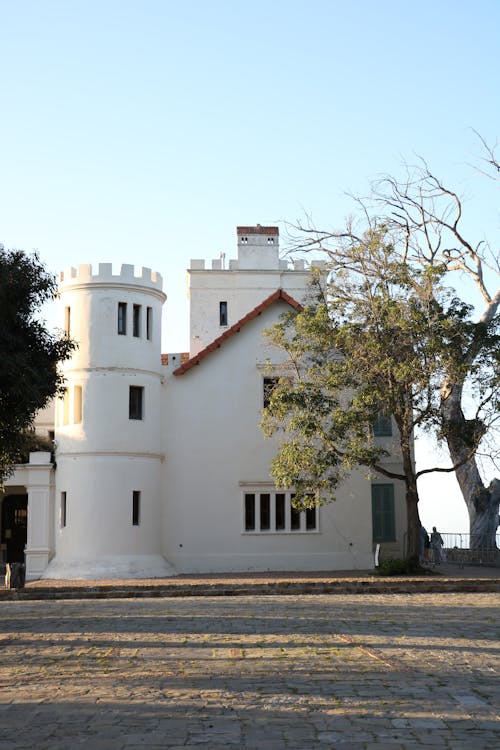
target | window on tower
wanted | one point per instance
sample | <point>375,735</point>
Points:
<point>135,402</point>
<point>223,313</point>
<point>149,323</point>
<point>136,321</point>
<point>122,318</point>
<point>136,507</point>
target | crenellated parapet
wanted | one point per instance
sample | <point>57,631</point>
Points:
<point>129,275</point>
<point>219,264</point>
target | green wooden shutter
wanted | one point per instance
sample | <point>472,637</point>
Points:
<point>383,519</point>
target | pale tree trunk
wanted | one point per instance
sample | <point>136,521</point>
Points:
<point>462,436</point>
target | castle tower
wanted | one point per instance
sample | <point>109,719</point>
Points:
<point>108,427</point>
<point>222,294</point>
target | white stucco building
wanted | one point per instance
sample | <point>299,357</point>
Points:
<point>160,466</point>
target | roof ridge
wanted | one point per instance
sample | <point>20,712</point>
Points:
<point>236,327</point>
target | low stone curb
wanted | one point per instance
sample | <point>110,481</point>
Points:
<point>288,588</point>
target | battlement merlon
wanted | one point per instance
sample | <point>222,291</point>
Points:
<point>128,277</point>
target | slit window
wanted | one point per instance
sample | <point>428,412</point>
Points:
<point>310,519</point>
<point>136,507</point>
<point>223,313</point>
<point>149,323</point>
<point>122,318</point>
<point>249,512</point>
<point>294,519</point>
<point>66,407</point>
<point>77,404</point>
<point>136,321</point>
<point>67,320</point>
<point>135,402</point>
<point>63,510</point>
<point>265,511</point>
<point>280,511</point>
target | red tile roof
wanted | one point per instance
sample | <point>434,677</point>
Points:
<point>279,294</point>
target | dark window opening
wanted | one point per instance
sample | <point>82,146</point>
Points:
<point>310,519</point>
<point>122,318</point>
<point>67,320</point>
<point>136,321</point>
<point>294,516</point>
<point>63,510</point>
<point>250,512</point>
<point>136,505</point>
<point>269,384</point>
<point>223,313</point>
<point>149,323</point>
<point>280,511</point>
<point>135,402</point>
<point>265,512</point>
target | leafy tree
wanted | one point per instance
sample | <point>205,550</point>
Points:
<point>424,223</point>
<point>29,354</point>
<point>376,339</point>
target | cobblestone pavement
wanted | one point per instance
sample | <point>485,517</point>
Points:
<point>266,673</point>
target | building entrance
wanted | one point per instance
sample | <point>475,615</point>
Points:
<point>14,529</point>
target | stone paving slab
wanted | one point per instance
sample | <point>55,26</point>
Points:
<point>342,672</point>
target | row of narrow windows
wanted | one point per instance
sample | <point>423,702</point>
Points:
<point>274,512</point>
<point>137,320</point>
<point>122,320</point>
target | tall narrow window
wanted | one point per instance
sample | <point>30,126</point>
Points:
<point>67,320</point>
<point>223,313</point>
<point>280,511</point>
<point>66,407</point>
<point>77,404</point>
<point>136,321</point>
<point>310,519</point>
<point>122,318</point>
<point>294,516</point>
<point>249,512</point>
<point>265,511</point>
<point>269,384</point>
<point>149,323</point>
<point>136,507</point>
<point>135,402</point>
<point>63,510</point>
<point>383,517</point>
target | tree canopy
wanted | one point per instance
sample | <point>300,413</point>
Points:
<point>388,334</point>
<point>29,353</point>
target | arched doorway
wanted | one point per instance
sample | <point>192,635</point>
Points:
<point>14,528</point>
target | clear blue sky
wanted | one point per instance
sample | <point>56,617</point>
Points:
<point>144,132</point>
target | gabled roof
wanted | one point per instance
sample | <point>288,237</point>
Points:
<point>279,294</point>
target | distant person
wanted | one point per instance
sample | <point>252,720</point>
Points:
<point>424,544</point>
<point>437,545</point>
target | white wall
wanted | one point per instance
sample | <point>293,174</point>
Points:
<point>213,443</point>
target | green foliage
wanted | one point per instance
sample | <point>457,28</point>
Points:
<point>29,353</point>
<point>377,338</point>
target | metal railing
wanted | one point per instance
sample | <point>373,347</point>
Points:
<point>457,550</point>
<point>456,540</point>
